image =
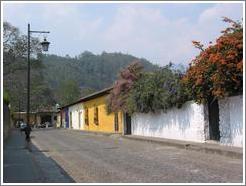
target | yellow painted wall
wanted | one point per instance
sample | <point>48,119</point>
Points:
<point>106,121</point>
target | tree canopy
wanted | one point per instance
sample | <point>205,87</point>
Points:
<point>68,92</point>
<point>158,90</point>
<point>218,70</point>
<point>138,91</point>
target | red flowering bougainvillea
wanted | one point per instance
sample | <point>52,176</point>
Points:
<point>119,94</point>
<point>218,70</point>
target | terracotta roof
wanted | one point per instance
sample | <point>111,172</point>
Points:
<point>90,96</point>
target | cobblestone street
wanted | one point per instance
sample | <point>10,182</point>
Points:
<point>88,157</point>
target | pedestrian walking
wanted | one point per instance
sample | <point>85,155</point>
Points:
<point>28,132</point>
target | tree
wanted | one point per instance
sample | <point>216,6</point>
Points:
<point>15,44</point>
<point>68,92</point>
<point>119,94</point>
<point>6,98</point>
<point>86,91</point>
<point>158,90</point>
<point>15,71</point>
<point>218,70</point>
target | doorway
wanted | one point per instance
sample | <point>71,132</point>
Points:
<point>116,122</point>
<point>128,126</point>
<point>71,120</point>
<point>46,118</point>
<point>66,118</point>
<point>213,114</point>
<point>61,118</point>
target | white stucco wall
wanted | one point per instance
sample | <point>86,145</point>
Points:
<point>58,120</point>
<point>77,116</point>
<point>231,121</point>
<point>187,123</point>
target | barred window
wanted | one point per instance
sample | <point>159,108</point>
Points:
<point>86,116</point>
<point>96,115</point>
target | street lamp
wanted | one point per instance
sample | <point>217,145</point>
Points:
<point>45,46</point>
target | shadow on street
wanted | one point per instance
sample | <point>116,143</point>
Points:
<point>23,162</point>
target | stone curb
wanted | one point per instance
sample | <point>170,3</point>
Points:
<point>96,133</point>
<point>192,146</point>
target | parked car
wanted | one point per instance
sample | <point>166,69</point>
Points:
<point>41,125</point>
<point>23,126</point>
<point>18,123</point>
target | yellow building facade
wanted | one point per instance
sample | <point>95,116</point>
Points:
<point>97,119</point>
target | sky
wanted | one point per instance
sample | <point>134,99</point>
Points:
<point>158,32</point>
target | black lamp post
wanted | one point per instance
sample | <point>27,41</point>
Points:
<point>45,46</point>
<point>19,112</point>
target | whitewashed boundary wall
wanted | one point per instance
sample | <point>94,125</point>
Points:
<point>190,122</point>
<point>187,123</point>
<point>231,121</point>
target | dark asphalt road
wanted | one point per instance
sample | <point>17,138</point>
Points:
<point>97,158</point>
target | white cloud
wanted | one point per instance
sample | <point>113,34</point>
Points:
<point>134,21</point>
<point>219,10</point>
<point>146,32</point>
<point>210,21</point>
<point>133,28</point>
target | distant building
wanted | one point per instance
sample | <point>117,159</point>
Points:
<point>36,118</point>
<point>90,114</point>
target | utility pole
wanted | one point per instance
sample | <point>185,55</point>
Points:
<point>19,112</point>
<point>45,45</point>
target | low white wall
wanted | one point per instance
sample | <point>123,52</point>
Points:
<point>77,116</point>
<point>187,123</point>
<point>231,121</point>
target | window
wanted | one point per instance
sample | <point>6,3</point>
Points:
<point>96,115</point>
<point>86,116</point>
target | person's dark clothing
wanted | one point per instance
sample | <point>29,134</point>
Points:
<point>28,132</point>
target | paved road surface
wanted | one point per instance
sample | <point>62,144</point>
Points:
<point>97,158</point>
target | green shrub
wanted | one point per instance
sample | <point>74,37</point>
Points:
<point>6,97</point>
<point>159,90</point>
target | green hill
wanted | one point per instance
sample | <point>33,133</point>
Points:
<point>87,69</point>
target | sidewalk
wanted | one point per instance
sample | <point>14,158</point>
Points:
<point>24,163</point>
<point>18,164</point>
<point>234,152</point>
